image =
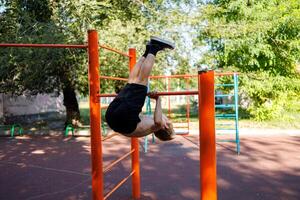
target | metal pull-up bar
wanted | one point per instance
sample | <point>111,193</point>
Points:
<point>64,46</point>
<point>95,120</point>
<point>208,186</point>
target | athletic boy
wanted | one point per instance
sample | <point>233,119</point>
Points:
<point>124,112</point>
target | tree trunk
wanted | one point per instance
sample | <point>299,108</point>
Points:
<point>72,108</point>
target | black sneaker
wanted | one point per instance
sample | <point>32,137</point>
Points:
<point>161,43</point>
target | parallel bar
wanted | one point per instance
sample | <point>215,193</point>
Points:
<point>75,46</point>
<point>95,116</point>
<point>113,78</point>
<point>119,184</point>
<point>114,50</point>
<point>109,167</point>
<point>207,139</point>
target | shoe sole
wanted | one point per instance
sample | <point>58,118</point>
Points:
<point>172,45</point>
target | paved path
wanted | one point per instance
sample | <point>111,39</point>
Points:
<point>56,168</point>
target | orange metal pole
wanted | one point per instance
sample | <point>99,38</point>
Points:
<point>208,170</point>
<point>136,186</point>
<point>95,116</point>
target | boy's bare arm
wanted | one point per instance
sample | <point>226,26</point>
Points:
<point>158,110</point>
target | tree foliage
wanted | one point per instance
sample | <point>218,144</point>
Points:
<point>261,39</point>
<point>120,24</point>
<point>253,35</point>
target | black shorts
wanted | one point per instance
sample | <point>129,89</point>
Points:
<point>122,114</point>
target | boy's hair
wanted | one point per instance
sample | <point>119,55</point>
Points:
<point>165,134</point>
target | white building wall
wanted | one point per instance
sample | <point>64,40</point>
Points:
<point>22,105</point>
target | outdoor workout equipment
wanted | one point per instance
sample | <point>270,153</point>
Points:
<point>227,127</point>
<point>222,128</point>
<point>205,92</point>
<point>12,129</point>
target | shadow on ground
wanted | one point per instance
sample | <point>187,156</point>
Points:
<point>53,167</point>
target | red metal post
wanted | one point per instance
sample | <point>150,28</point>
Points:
<point>95,116</point>
<point>208,171</point>
<point>136,186</point>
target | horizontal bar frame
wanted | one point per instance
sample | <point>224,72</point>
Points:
<point>112,164</point>
<point>74,46</point>
<point>114,50</point>
<point>159,93</point>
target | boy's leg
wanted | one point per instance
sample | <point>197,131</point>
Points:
<point>134,74</point>
<point>155,45</point>
<point>146,69</point>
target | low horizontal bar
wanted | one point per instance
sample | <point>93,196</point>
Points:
<point>225,124</point>
<point>108,168</point>
<point>110,136</point>
<point>224,95</point>
<point>226,73</point>
<point>74,46</point>
<point>113,78</point>
<point>225,115</point>
<point>174,76</point>
<point>159,93</point>
<point>119,184</point>
<point>224,85</point>
<point>225,106</point>
<point>227,141</point>
<point>114,50</point>
<point>190,75</point>
<point>182,133</point>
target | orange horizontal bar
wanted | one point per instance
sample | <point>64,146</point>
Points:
<point>108,137</point>
<point>108,168</point>
<point>118,185</point>
<point>114,50</point>
<point>159,93</point>
<point>226,73</point>
<point>190,75</point>
<point>114,78</point>
<point>174,76</point>
<point>76,46</point>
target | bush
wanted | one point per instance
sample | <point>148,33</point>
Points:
<point>269,97</point>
